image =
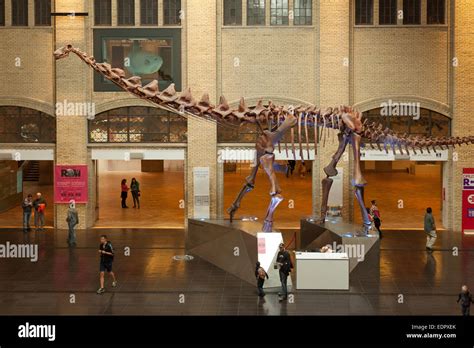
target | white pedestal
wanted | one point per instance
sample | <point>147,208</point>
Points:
<point>322,271</point>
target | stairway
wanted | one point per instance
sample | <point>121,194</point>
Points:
<point>31,171</point>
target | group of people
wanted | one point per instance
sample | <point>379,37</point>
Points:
<point>134,188</point>
<point>284,265</point>
<point>38,206</point>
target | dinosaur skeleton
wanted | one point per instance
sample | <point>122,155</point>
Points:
<point>274,122</point>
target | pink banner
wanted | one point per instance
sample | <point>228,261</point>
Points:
<point>70,183</point>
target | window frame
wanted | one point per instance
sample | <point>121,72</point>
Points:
<point>416,16</point>
<point>305,9</point>
<point>121,14</point>
<point>38,13</point>
<point>99,11</point>
<point>393,17</point>
<point>369,15</point>
<point>25,13</point>
<point>443,17</point>
<point>176,8</point>
<point>277,13</point>
<point>228,20</point>
<point>256,13</point>
<point>150,10</point>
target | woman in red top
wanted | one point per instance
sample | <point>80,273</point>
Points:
<point>124,193</point>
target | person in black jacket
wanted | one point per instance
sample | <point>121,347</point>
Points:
<point>465,298</point>
<point>27,206</point>
<point>260,274</point>
<point>285,265</point>
<point>106,252</point>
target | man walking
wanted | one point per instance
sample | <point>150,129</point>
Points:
<point>72,221</point>
<point>430,229</point>
<point>27,206</point>
<point>40,205</point>
<point>106,252</point>
<point>285,265</point>
<point>465,298</point>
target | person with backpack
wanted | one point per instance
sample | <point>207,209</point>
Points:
<point>260,274</point>
<point>465,299</point>
<point>285,266</point>
<point>72,220</point>
<point>106,252</point>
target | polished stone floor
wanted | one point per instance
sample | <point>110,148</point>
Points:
<point>151,282</point>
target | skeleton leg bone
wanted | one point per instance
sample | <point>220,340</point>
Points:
<point>359,182</point>
<point>330,171</point>
<point>267,162</point>
<point>246,188</point>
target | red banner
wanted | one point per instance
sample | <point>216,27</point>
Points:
<point>70,183</point>
<point>468,200</point>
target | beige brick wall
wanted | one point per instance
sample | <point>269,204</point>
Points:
<point>400,61</point>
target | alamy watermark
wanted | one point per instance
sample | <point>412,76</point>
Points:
<point>392,108</point>
<point>353,251</point>
<point>67,108</point>
<point>19,251</point>
<point>229,155</point>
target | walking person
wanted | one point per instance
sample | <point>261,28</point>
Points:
<point>285,265</point>
<point>135,188</point>
<point>72,220</point>
<point>27,206</point>
<point>260,274</point>
<point>40,205</point>
<point>375,212</point>
<point>430,229</point>
<point>106,252</point>
<point>124,193</point>
<point>465,299</point>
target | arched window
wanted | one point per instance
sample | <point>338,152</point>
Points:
<point>422,122</point>
<point>24,125</point>
<point>137,124</point>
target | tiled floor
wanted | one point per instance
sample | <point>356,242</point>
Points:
<point>151,282</point>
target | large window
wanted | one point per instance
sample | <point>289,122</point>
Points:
<point>255,12</point>
<point>279,12</point>
<point>364,12</point>
<point>137,125</point>
<point>149,12</point>
<point>24,125</point>
<point>232,12</point>
<point>172,12</point>
<point>429,123</point>
<point>103,12</point>
<point>43,12</point>
<point>152,54</point>
<point>126,12</point>
<point>387,12</point>
<point>2,12</point>
<point>436,11</point>
<point>303,12</point>
<point>20,13</point>
<point>411,11</point>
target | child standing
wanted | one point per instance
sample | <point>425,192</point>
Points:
<point>260,274</point>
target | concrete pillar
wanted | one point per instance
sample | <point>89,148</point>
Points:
<point>463,102</point>
<point>333,70</point>
<point>200,31</point>
<point>73,81</point>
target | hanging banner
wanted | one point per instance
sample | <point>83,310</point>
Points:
<point>468,201</point>
<point>70,183</point>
